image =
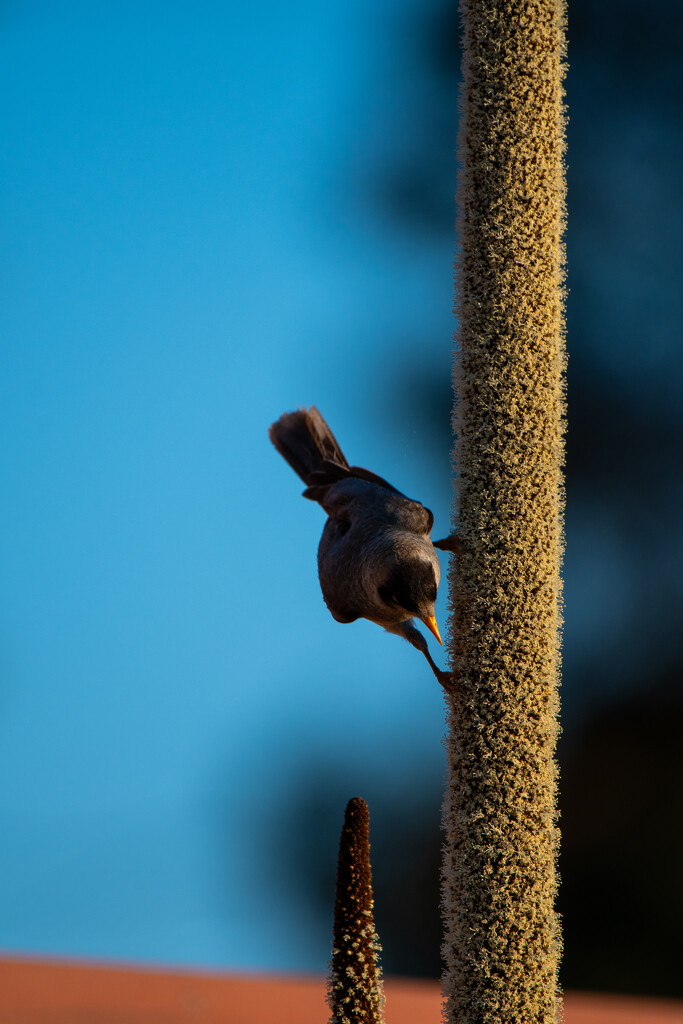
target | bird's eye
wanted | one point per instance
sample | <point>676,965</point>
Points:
<point>386,596</point>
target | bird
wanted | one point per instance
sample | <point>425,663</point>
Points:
<point>376,560</point>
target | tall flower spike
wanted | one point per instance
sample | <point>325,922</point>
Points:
<point>502,935</point>
<point>355,990</point>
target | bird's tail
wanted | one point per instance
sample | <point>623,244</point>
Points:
<point>304,439</point>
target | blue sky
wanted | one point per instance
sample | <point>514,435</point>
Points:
<point>186,255</point>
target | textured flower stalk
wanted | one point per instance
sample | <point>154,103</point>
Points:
<point>355,989</point>
<point>502,939</point>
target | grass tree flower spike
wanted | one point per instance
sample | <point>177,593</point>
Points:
<point>502,938</point>
<point>355,990</point>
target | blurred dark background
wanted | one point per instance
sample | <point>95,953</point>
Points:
<point>621,751</point>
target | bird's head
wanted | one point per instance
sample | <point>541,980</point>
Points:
<point>411,588</point>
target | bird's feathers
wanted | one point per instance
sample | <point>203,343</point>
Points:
<point>305,440</point>
<point>375,558</point>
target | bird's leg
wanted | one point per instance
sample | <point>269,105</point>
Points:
<point>451,543</point>
<point>415,637</point>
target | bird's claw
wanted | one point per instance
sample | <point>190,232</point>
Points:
<point>447,680</point>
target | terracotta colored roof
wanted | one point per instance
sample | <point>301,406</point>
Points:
<point>58,992</point>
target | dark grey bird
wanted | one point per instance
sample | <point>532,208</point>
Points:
<point>375,559</point>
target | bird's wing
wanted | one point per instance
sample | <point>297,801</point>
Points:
<point>365,474</point>
<point>351,497</point>
<point>337,502</point>
<point>330,472</point>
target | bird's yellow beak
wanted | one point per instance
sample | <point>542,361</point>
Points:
<point>431,625</point>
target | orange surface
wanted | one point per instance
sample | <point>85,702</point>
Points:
<point>51,992</point>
